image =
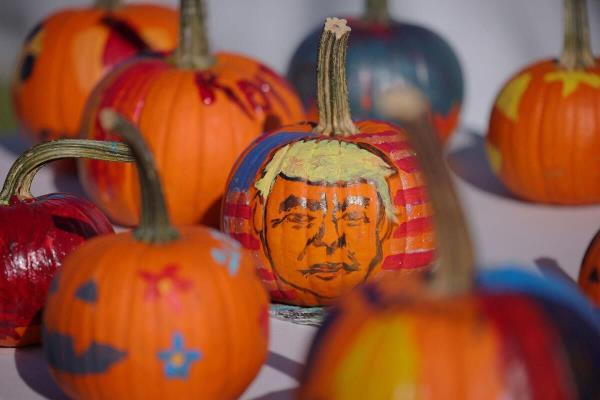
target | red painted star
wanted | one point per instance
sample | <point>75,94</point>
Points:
<point>166,285</point>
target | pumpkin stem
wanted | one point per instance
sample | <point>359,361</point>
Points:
<point>456,260</point>
<point>155,226</point>
<point>192,51</point>
<point>109,5</point>
<point>332,89</point>
<point>377,11</point>
<point>577,51</point>
<point>21,173</point>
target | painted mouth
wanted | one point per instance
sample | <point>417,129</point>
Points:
<point>327,271</point>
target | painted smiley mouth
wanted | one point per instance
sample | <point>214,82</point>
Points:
<point>327,269</point>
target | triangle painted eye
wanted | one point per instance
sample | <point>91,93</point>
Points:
<point>87,292</point>
<point>594,276</point>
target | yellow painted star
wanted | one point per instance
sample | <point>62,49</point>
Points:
<point>510,97</point>
<point>572,79</point>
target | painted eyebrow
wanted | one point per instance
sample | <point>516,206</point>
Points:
<point>355,200</point>
<point>293,201</point>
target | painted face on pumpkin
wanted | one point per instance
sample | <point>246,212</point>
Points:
<point>323,222</point>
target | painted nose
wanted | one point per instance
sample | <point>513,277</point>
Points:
<point>328,238</point>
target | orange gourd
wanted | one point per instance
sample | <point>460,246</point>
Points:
<point>331,206</point>
<point>65,56</point>
<point>544,131</point>
<point>589,274</point>
<point>446,338</point>
<point>197,112</point>
<point>157,313</point>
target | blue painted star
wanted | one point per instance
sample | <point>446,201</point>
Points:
<point>178,360</point>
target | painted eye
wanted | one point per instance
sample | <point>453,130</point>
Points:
<point>299,219</point>
<point>354,218</point>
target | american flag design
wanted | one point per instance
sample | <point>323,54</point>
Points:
<point>410,246</point>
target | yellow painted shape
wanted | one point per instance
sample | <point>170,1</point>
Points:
<point>510,97</point>
<point>494,156</point>
<point>382,363</point>
<point>329,162</point>
<point>572,79</point>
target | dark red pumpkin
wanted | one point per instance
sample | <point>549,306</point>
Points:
<point>196,111</point>
<point>65,56</point>
<point>36,233</point>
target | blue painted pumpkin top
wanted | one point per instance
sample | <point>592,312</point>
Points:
<point>380,57</point>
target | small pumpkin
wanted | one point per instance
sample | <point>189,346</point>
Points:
<point>37,233</point>
<point>589,274</point>
<point>197,111</point>
<point>384,55</point>
<point>180,308</point>
<point>449,339</point>
<point>330,206</point>
<point>544,133</point>
<point>65,56</point>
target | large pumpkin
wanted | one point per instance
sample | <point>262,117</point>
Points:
<point>65,55</point>
<point>37,233</point>
<point>197,113</point>
<point>384,55</point>
<point>589,274</point>
<point>331,206</point>
<point>448,339</point>
<point>544,131</point>
<point>157,313</point>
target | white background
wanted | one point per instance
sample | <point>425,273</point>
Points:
<point>493,38</point>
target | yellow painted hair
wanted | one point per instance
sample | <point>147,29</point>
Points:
<point>329,161</point>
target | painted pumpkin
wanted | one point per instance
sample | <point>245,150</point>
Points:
<point>544,116</point>
<point>197,115</point>
<point>37,233</point>
<point>65,56</point>
<point>383,55</point>
<point>181,308</point>
<point>331,206</point>
<point>589,274</point>
<point>445,338</point>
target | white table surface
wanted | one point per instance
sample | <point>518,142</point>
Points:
<point>547,239</point>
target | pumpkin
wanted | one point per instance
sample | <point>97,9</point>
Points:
<point>65,55</point>
<point>544,132</point>
<point>446,338</point>
<point>383,55</point>
<point>330,206</point>
<point>37,233</point>
<point>589,274</point>
<point>181,308</point>
<point>197,112</point>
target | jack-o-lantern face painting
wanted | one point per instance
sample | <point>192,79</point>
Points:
<point>325,214</point>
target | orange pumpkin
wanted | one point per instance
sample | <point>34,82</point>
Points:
<point>197,112</point>
<point>589,274</point>
<point>329,207</point>
<point>394,340</point>
<point>65,56</point>
<point>544,131</point>
<point>157,313</point>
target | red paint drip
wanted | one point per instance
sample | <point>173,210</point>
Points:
<point>207,85</point>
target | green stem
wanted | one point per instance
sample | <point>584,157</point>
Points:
<point>109,5</point>
<point>332,89</point>
<point>155,226</point>
<point>577,51</point>
<point>21,173</point>
<point>456,260</point>
<point>192,51</point>
<point>377,11</point>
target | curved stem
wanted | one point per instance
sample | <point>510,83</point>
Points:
<point>155,226</point>
<point>108,5</point>
<point>21,173</point>
<point>577,51</point>
<point>377,11</point>
<point>456,260</point>
<point>332,89</point>
<point>192,51</point>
